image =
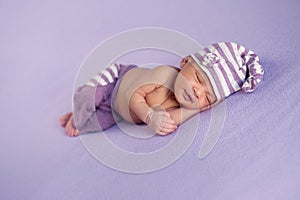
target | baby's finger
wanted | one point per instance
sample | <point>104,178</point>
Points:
<point>169,121</point>
<point>161,133</point>
<point>167,130</point>
<point>169,126</point>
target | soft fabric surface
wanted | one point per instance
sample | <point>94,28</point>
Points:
<point>42,47</point>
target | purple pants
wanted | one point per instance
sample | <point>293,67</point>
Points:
<point>92,102</point>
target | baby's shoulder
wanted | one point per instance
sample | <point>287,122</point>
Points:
<point>166,68</point>
<point>165,71</point>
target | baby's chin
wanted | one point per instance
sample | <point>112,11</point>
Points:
<point>190,106</point>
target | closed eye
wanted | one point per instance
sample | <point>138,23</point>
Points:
<point>198,79</point>
<point>207,99</point>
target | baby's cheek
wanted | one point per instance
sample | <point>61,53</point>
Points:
<point>201,104</point>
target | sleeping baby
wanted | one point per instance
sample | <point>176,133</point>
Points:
<point>165,96</point>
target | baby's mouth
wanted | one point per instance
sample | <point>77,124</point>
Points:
<point>187,97</point>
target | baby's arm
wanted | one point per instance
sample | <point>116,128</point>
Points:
<point>158,119</point>
<point>180,115</point>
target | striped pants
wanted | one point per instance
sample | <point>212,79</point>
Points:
<point>92,102</point>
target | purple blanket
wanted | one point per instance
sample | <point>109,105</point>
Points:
<point>42,47</point>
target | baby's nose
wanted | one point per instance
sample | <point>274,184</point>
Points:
<point>197,92</point>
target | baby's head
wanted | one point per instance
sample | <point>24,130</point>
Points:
<point>192,87</point>
<point>214,73</point>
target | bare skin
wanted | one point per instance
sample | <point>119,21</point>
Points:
<point>163,97</point>
<point>66,121</point>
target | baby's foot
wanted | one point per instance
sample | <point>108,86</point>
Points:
<point>70,128</point>
<point>64,119</point>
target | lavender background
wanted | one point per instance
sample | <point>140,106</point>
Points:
<point>43,44</point>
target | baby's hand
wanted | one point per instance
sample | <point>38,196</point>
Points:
<point>161,122</point>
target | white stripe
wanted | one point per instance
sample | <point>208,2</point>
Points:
<point>242,49</point>
<point>210,77</point>
<point>228,73</point>
<point>249,56</point>
<point>114,70</point>
<point>237,54</point>
<point>108,76</point>
<point>232,60</point>
<point>221,77</point>
<point>100,80</point>
<point>235,49</point>
<point>90,83</point>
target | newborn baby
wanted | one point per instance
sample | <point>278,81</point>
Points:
<point>165,96</point>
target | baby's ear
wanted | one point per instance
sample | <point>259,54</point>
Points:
<point>184,61</point>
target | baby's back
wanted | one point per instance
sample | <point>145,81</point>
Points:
<point>143,80</point>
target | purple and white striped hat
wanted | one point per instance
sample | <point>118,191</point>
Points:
<point>229,67</point>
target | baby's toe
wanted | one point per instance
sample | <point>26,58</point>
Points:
<point>75,132</point>
<point>69,131</point>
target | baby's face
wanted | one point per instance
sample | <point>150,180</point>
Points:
<point>192,87</point>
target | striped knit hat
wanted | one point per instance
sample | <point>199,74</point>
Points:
<point>229,67</point>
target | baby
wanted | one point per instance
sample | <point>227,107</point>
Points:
<point>165,96</point>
